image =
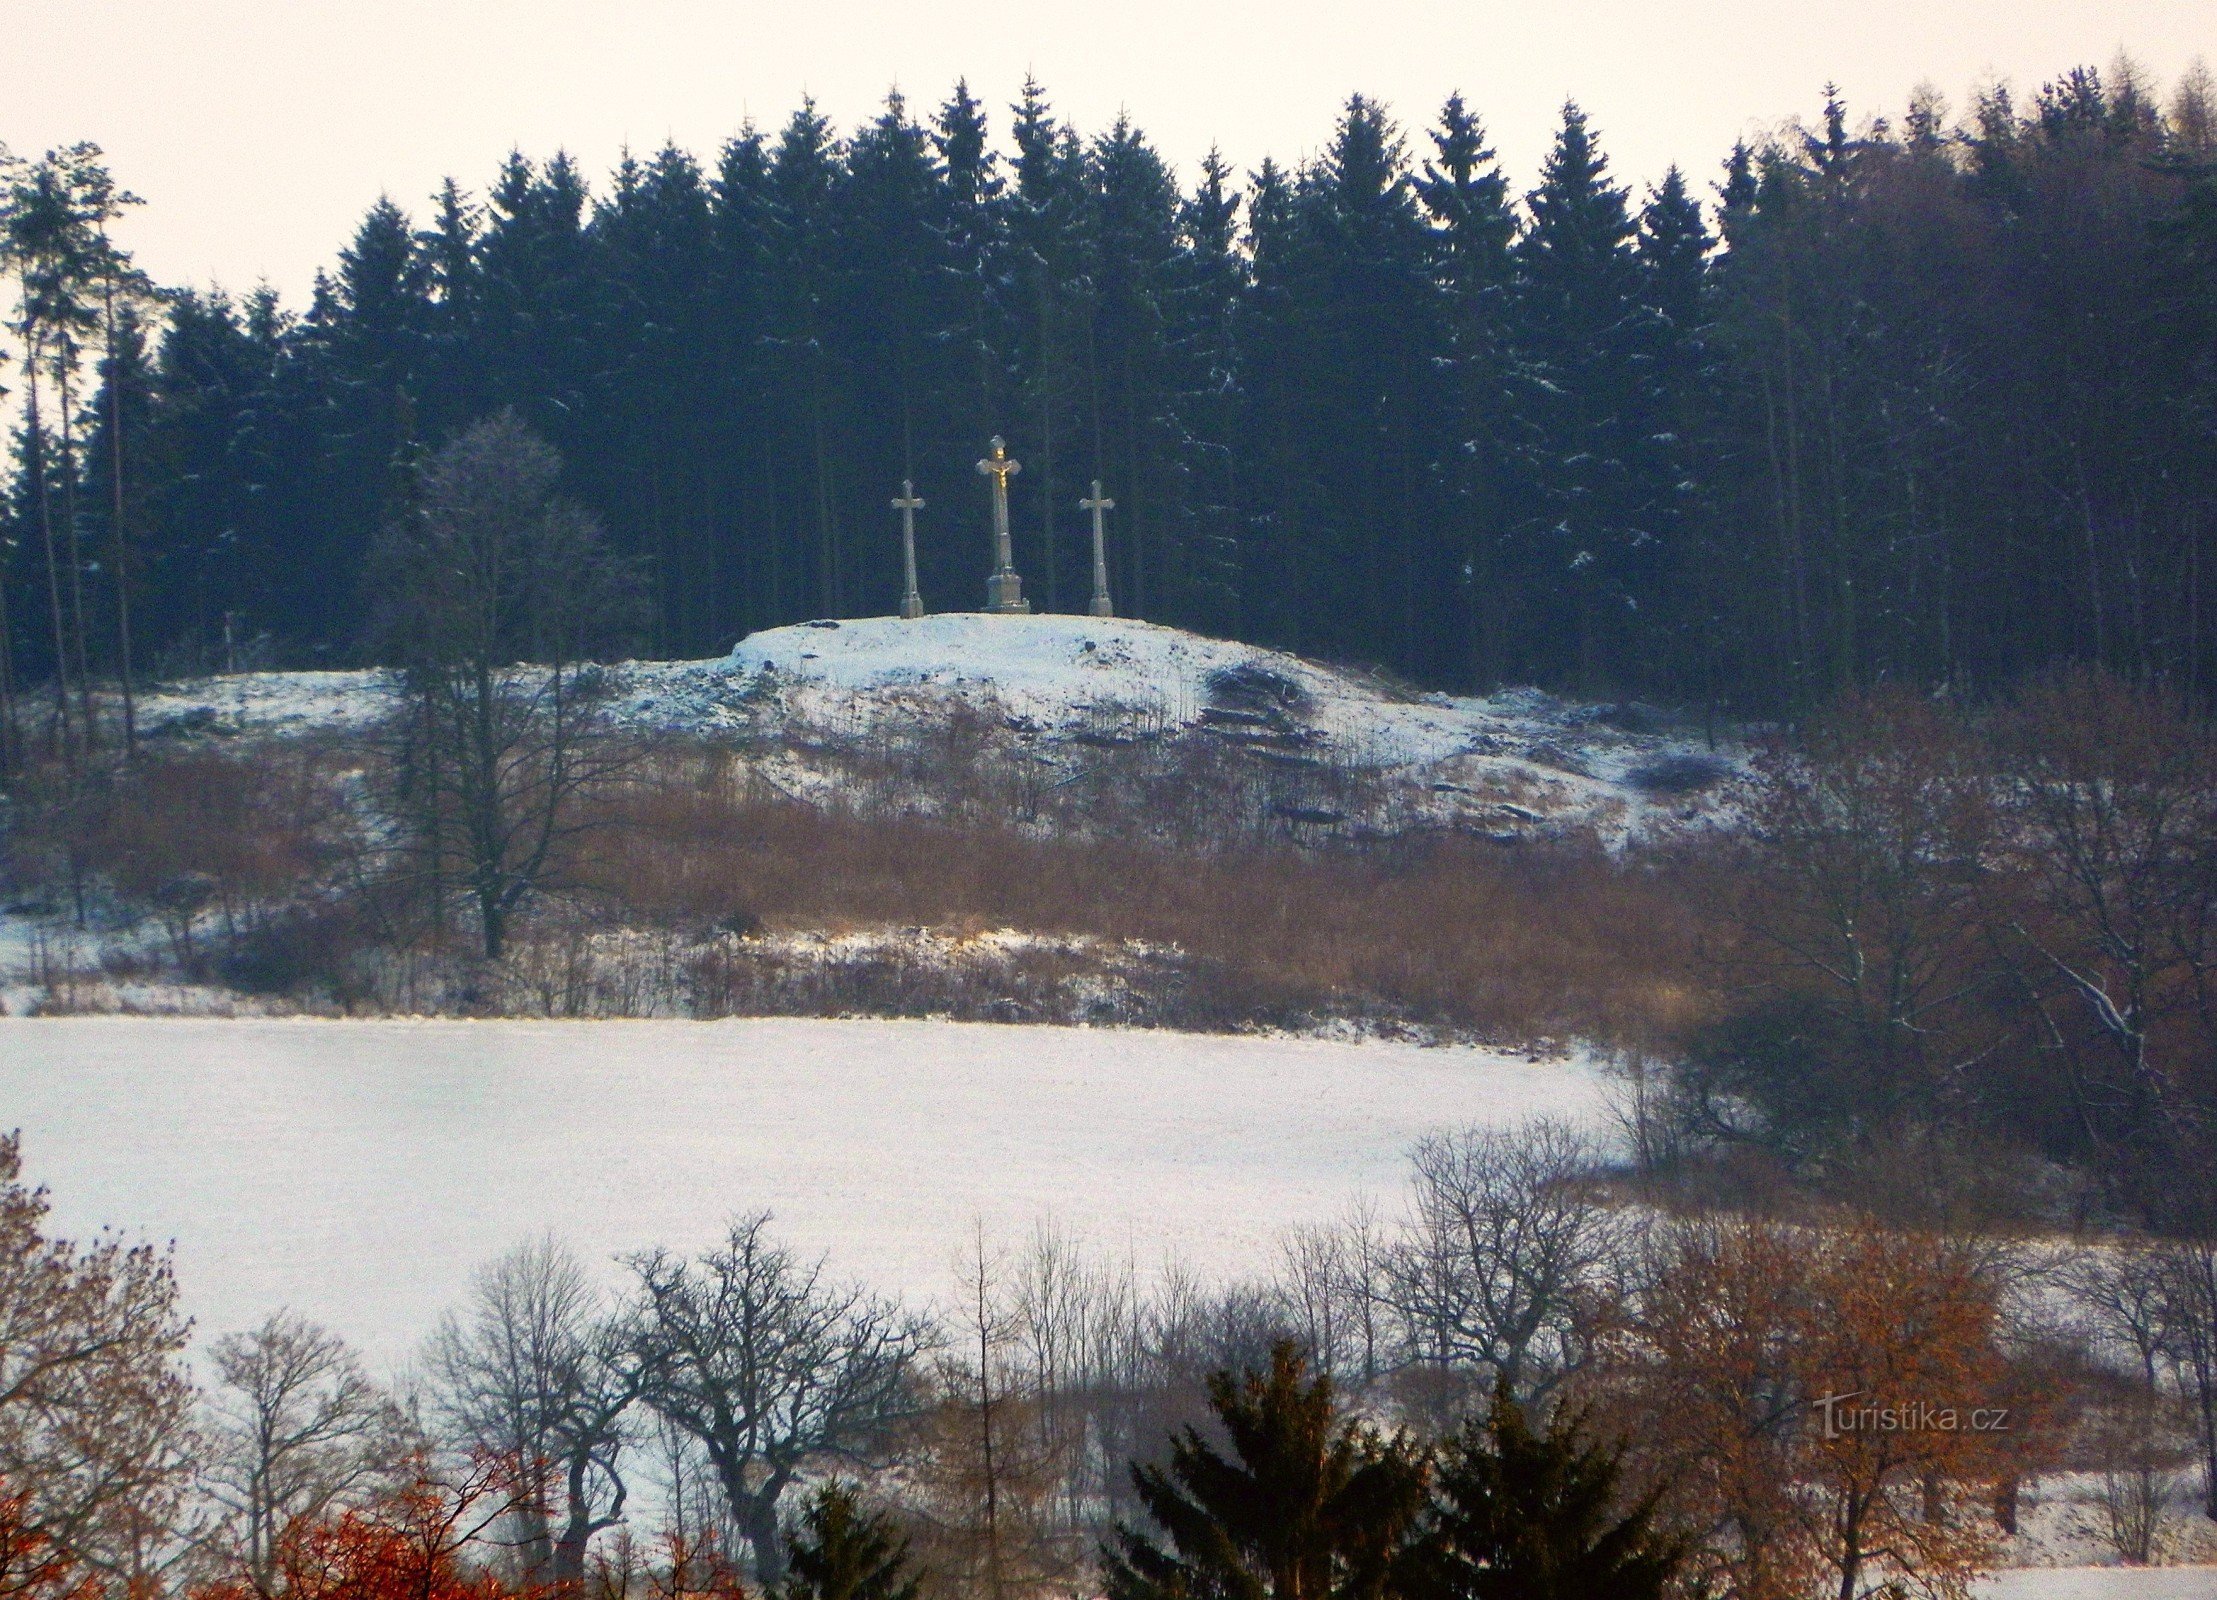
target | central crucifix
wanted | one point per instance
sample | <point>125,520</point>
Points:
<point>1004,590</point>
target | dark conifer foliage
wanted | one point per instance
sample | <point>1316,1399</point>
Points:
<point>1592,507</point>
<point>1309,1505</point>
<point>1525,1514</point>
<point>842,1552</point>
<point>1932,402</point>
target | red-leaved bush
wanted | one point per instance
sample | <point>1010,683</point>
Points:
<point>411,1543</point>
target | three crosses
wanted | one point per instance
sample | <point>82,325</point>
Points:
<point>1004,590</point>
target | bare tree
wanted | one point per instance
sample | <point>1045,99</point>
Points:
<point>2189,1268</point>
<point>1330,1281</point>
<point>2115,854</point>
<point>95,1407</point>
<point>1503,1243</point>
<point>987,1315</point>
<point>500,591</point>
<point>538,1373</point>
<point>2123,1288</point>
<point>298,1430</point>
<point>772,1368</point>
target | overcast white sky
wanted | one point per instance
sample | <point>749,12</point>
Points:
<point>259,130</point>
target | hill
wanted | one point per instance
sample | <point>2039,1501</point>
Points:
<point>1326,748</point>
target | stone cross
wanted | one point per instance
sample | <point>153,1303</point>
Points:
<point>1099,503</point>
<point>908,503</point>
<point>1004,590</point>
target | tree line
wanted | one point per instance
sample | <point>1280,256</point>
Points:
<point>1905,400</point>
<point>1537,1378</point>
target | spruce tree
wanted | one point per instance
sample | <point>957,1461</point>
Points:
<point>1525,1515</point>
<point>765,582</point>
<point>913,323</point>
<point>1474,227</point>
<point>1208,281</point>
<point>1275,579</point>
<point>1682,621</point>
<point>1048,297</point>
<point>1309,1506</point>
<point>1370,404</point>
<point>1585,332</point>
<point>970,315</point>
<point>1132,251</point>
<point>657,388</point>
<point>805,171</point>
<point>841,1552</point>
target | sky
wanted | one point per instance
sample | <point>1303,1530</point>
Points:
<point>258,131</point>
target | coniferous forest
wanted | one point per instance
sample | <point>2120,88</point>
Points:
<point>1926,398</point>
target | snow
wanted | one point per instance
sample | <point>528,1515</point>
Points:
<point>1502,760</point>
<point>2110,1582</point>
<point>357,1171</point>
<point>267,702</point>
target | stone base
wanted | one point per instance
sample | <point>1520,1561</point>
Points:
<point>1004,595</point>
<point>1099,607</point>
<point>912,607</point>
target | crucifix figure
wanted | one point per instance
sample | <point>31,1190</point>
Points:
<point>1099,504</point>
<point>908,503</point>
<point>1004,590</point>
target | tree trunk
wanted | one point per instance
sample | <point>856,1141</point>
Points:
<point>76,571</point>
<point>118,541</point>
<point>757,1517</point>
<point>37,438</point>
<point>10,736</point>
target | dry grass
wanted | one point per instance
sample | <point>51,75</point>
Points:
<point>1516,943</point>
<point>258,865</point>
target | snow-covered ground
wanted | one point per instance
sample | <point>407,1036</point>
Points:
<point>2109,1581</point>
<point>357,1171</point>
<point>1506,762</point>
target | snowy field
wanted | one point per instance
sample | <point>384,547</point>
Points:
<point>357,1171</point>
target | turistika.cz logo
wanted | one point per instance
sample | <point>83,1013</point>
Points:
<point>1917,1416</point>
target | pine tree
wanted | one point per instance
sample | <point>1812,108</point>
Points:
<point>1679,621</point>
<point>1276,581</point>
<point>656,390</point>
<point>971,226</point>
<point>805,171</point>
<point>765,582</point>
<point>1524,1515</point>
<point>1368,404</point>
<point>1201,310</point>
<point>1474,229</point>
<point>1050,314</point>
<point>892,319</point>
<point>1584,330</point>
<point>1310,1506</point>
<point>1132,250</point>
<point>842,1552</point>
<point>51,245</point>
<point>365,348</point>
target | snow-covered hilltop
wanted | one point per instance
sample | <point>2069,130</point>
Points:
<point>1065,692</point>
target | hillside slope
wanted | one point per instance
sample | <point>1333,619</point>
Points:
<point>1335,749</point>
